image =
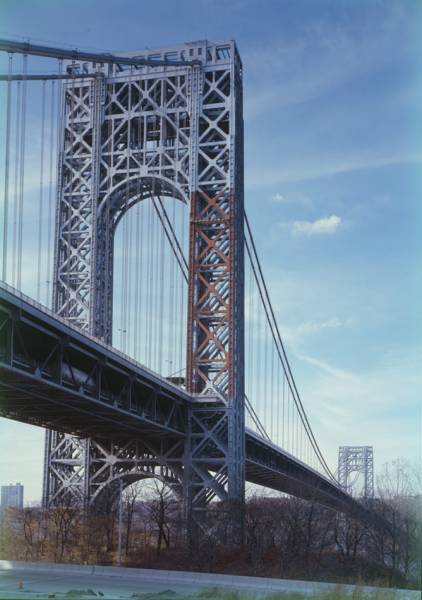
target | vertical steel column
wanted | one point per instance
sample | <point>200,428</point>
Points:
<point>215,349</point>
<point>66,459</point>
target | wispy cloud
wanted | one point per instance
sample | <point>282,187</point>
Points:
<point>348,407</point>
<point>326,367</point>
<point>313,170</point>
<point>326,56</point>
<point>324,226</point>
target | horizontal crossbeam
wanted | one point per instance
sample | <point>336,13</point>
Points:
<point>13,47</point>
<point>47,76</point>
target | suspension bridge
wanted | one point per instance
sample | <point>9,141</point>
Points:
<point>136,325</point>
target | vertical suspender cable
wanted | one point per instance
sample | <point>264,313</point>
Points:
<point>148,337</point>
<point>258,357</point>
<point>6,170</point>
<point>50,193</point>
<point>129,306</point>
<point>126,234</point>
<point>183,307</point>
<point>278,378</point>
<point>130,290</point>
<point>136,305</point>
<point>265,403</point>
<point>157,291</point>
<point>152,314</point>
<point>70,151</point>
<point>123,307</point>
<point>283,437</point>
<point>140,332</point>
<point>295,421</point>
<point>251,341</point>
<point>177,304</point>
<point>59,143</point>
<point>109,230</point>
<point>301,442</point>
<point>41,196</point>
<point>139,232</point>
<point>157,259</point>
<point>293,415</point>
<point>161,301</point>
<point>272,393</point>
<point>22,173</point>
<point>171,302</point>
<point>289,429</point>
<point>176,309</point>
<point>294,430</point>
<point>16,184</point>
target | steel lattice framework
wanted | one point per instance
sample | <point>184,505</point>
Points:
<point>359,460</point>
<point>134,132</point>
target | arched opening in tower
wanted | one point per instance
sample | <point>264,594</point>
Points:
<point>150,285</point>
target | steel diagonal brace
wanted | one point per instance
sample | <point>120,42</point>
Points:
<point>210,434</point>
<point>208,481</point>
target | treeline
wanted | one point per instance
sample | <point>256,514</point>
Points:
<point>284,536</point>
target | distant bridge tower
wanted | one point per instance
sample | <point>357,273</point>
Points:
<point>356,460</point>
<point>128,134</point>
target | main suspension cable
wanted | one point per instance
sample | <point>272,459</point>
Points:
<point>269,312</point>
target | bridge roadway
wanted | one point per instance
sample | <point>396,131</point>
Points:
<point>55,376</point>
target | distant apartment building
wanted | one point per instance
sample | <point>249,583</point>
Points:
<point>12,496</point>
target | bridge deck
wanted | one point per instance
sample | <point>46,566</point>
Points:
<point>53,375</point>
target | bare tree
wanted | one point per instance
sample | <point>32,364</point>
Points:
<point>161,507</point>
<point>399,491</point>
<point>34,527</point>
<point>130,497</point>
<point>349,536</point>
<point>64,521</point>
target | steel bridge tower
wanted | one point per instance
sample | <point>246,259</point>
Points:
<point>129,133</point>
<point>358,460</point>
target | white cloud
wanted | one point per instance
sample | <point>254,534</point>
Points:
<point>279,198</point>
<point>299,336</point>
<point>323,226</point>
<point>312,327</point>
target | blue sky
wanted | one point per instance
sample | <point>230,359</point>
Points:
<point>332,154</point>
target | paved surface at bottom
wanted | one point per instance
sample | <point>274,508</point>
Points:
<point>40,585</point>
<point>39,581</point>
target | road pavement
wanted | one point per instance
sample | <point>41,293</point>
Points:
<point>39,581</point>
